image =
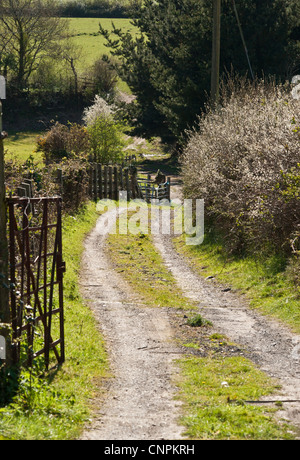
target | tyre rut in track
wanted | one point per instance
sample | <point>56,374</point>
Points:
<point>270,345</point>
<point>140,401</point>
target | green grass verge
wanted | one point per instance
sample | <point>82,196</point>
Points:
<point>56,405</point>
<point>207,412</point>
<point>262,280</point>
<point>214,391</point>
<point>137,261</point>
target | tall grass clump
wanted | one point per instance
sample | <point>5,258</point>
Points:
<point>243,158</point>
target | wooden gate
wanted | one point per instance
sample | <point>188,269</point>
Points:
<point>149,190</point>
<point>36,277</point>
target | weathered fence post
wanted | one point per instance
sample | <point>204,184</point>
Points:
<point>110,183</point>
<point>148,185</point>
<point>105,181</point>
<point>169,188</point>
<point>21,192</point>
<point>90,173</point>
<point>95,181</point>
<point>127,184</point>
<point>121,178</point>
<point>132,190</point>
<point>100,181</point>
<point>116,183</point>
<point>5,316</point>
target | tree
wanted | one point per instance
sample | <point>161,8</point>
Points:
<point>33,30</point>
<point>265,25</point>
<point>106,140</point>
<point>72,54</point>
<point>168,63</point>
<point>6,54</point>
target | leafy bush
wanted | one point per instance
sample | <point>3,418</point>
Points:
<point>103,78</point>
<point>106,133</point>
<point>64,141</point>
<point>68,179</point>
<point>106,140</point>
<point>15,173</point>
<point>243,159</point>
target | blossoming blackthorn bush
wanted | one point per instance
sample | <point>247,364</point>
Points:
<point>244,159</point>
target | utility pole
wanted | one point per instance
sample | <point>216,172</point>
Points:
<point>4,290</point>
<point>216,42</point>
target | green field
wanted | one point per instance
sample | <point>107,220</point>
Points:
<point>85,34</point>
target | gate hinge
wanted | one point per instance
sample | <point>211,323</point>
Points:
<point>63,267</point>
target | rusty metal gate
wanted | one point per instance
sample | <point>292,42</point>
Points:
<point>36,277</point>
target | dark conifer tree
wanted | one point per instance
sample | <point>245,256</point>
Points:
<point>168,64</point>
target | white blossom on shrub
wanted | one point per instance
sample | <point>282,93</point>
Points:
<point>100,109</point>
<point>237,159</point>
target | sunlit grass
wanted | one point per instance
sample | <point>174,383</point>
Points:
<point>21,145</point>
<point>85,34</point>
<point>214,391</point>
<point>135,257</point>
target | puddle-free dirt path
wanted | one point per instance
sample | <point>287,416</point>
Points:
<point>140,402</point>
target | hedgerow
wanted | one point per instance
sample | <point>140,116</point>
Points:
<point>244,159</point>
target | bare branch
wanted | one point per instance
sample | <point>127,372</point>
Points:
<point>29,30</point>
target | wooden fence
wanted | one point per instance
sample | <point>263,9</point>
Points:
<point>104,182</point>
<point>109,181</point>
<point>26,189</point>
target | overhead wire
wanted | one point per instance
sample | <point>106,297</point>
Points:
<point>242,37</point>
